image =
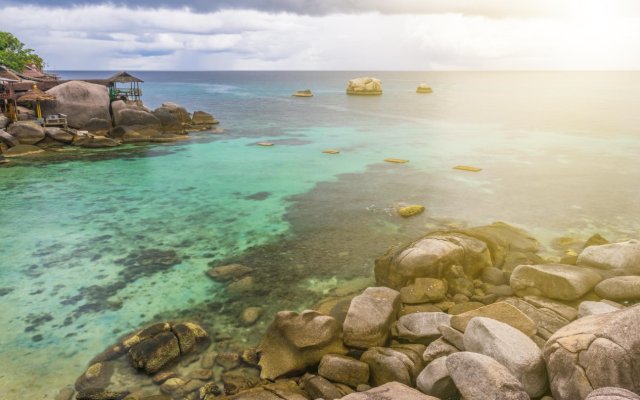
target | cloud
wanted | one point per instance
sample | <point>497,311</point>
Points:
<point>117,37</point>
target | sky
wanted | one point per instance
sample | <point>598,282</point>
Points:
<point>329,34</point>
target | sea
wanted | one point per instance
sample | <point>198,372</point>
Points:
<point>96,243</point>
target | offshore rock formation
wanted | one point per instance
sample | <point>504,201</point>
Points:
<point>95,122</point>
<point>364,86</point>
<point>443,323</point>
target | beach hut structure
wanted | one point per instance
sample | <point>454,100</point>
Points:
<point>35,96</point>
<point>128,90</point>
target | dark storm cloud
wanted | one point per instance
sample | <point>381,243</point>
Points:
<point>490,8</point>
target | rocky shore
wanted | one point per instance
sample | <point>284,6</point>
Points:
<point>96,122</point>
<point>459,314</point>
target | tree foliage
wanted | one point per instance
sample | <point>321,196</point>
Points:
<point>14,55</point>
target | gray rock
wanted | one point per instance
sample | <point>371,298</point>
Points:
<point>169,120</point>
<point>434,380</point>
<point>587,308</point>
<point>612,393</point>
<point>343,369</point>
<point>432,256</point>
<point>511,348</point>
<point>388,365</point>
<point>178,111</point>
<point>595,351</point>
<point>8,139</point>
<point>22,150</point>
<point>438,349</point>
<point>295,341</point>
<point>556,281</point>
<point>131,116</point>
<point>619,258</point>
<point>364,86</point>
<point>59,134</point>
<point>563,310</point>
<point>4,122</point>
<point>203,119</point>
<point>501,311</point>
<point>619,288</point>
<point>480,377</point>
<point>390,391</point>
<point>26,132</point>
<point>80,101</point>
<point>546,321</point>
<point>98,125</point>
<point>453,336</point>
<point>421,327</point>
<point>94,142</point>
<point>370,317</point>
<point>494,276</point>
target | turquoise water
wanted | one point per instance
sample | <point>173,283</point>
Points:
<point>99,242</point>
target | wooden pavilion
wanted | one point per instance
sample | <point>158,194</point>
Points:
<point>131,93</point>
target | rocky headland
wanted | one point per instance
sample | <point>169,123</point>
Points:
<point>470,314</point>
<point>96,122</point>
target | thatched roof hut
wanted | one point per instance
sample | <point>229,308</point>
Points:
<point>35,94</point>
<point>124,77</point>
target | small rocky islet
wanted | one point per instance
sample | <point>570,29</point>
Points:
<point>94,121</point>
<point>472,313</point>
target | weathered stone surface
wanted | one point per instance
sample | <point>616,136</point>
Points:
<point>612,393</point>
<point>240,379</point>
<point>154,353</point>
<point>547,321</point>
<point>462,308</point>
<point>295,341</point>
<point>8,139</point>
<point>80,101</point>
<point>388,365</point>
<point>344,369</point>
<point>410,211</point>
<point>4,121</point>
<point>432,256</point>
<point>370,317</point>
<point>421,327</point>
<point>494,276</point>
<point>500,311</point>
<point>619,288</point>
<point>619,258</point>
<point>229,272</point>
<point>26,132</point>
<point>94,141</point>
<point>250,315</point>
<point>390,391</point>
<point>319,388</point>
<point>132,116</point>
<point>22,150</point>
<point>480,377</point>
<point>364,86</point>
<point>98,125</point>
<point>595,351</point>
<point>100,394</point>
<point>434,380</point>
<point>563,310</point>
<point>406,309</point>
<point>59,134</point>
<point>437,349</point>
<point>97,376</point>
<point>511,348</point>
<point>424,290</point>
<point>169,120</point>
<point>453,336</point>
<point>203,118</point>
<point>178,111</point>
<point>556,281</point>
<point>587,308</point>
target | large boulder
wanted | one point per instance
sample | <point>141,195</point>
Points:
<point>435,380</point>
<point>619,288</point>
<point>80,101</point>
<point>390,391</point>
<point>421,327</point>
<point>169,121</point>
<point>424,290</point>
<point>370,317</point>
<point>8,139</point>
<point>295,341</point>
<point>59,135</point>
<point>480,377</point>
<point>511,348</point>
<point>616,258</point>
<point>203,119</point>
<point>389,365</point>
<point>178,111</point>
<point>131,116</point>
<point>556,281</point>
<point>432,256</point>
<point>546,321</point>
<point>364,86</point>
<point>437,349</point>
<point>593,352</point>
<point>26,132</point>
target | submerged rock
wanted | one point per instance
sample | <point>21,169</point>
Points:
<point>410,211</point>
<point>364,86</point>
<point>303,93</point>
<point>229,272</point>
<point>203,120</point>
<point>424,88</point>
<point>295,341</point>
<point>595,351</point>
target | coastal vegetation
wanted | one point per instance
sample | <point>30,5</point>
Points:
<point>14,55</point>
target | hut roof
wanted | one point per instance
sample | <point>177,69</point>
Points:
<point>36,94</point>
<point>8,74</point>
<point>124,77</point>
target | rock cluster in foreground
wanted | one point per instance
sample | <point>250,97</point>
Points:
<point>97,122</point>
<point>471,314</point>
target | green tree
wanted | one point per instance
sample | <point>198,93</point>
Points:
<point>14,55</point>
